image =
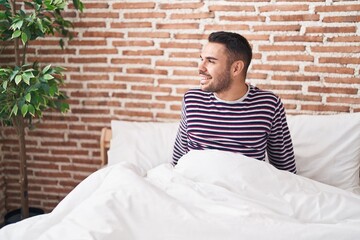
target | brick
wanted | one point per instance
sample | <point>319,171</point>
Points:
<point>98,5</point>
<point>227,27</point>
<point>344,39</point>
<point>194,5</point>
<point>91,24</point>
<point>154,52</point>
<point>338,8</point>
<point>166,81</point>
<point>99,14</point>
<point>298,78</point>
<point>284,8</point>
<point>176,63</point>
<point>287,48</point>
<point>136,5</point>
<point>133,43</point>
<point>256,18</point>
<point>131,113</point>
<point>277,28</point>
<point>88,60</point>
<point>146,71</point>
<point>131,25</point>
<point>298,39</point>
<point>296,17</point>
<point>343,100</point>
<point>289,57</point>
<point>332,90</point>
<point>144,105</point>
<point>324,108</point>
<point>106,86</point>
<point>107,34</point>
<point>177,26</point>
<point>186,73</point>
<point>285,68</point>
<point>128,95</point>
<point>180,45</point>
<point>87,43</point>
<point>151,89</point>
<point>301,97</point>
<point>98,51</point>
<point>185,55</point>
<point>200,15</point>
<point>339,70</point>
<point>131,61</point>
<point>102,69</point>
<point>340,60</point>
<point>350,80</point>
<point>136,79</point>
<point>332,49</point>
<point>232,8</point>
<point>330,29</point>
<point>351,19</point>
<point>280,87</point>
<point>142,15</point>
<point>149,35</point>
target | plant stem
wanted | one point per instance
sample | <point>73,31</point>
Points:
<point>16,41</point>
<point>19,124</point>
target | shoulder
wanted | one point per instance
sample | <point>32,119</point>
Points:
<point>197,94</point>
<point>257,94</point>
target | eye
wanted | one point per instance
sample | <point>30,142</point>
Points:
<point>211,61</point>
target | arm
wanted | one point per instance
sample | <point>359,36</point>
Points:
<point>279,147</point>
<point>180,147</point>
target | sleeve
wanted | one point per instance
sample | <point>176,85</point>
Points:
<point>181,147</point>
<point>280,148</point>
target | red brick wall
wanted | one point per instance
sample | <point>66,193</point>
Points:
<point>134,60</point>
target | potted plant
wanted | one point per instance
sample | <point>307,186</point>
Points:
<point>27,89</point>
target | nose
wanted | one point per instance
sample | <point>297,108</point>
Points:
<point>202,67</point>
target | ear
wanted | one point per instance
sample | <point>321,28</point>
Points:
<point>238,67</point>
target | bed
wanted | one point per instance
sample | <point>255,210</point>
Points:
<point>211,194</point>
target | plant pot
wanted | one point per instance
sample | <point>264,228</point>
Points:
<point>15,215</point>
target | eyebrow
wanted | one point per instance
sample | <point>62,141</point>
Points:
<point>209,58</point>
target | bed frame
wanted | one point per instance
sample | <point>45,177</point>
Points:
<point>105,138</point>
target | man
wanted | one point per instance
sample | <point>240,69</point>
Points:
<point>228,114</point>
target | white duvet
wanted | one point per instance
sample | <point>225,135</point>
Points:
<point>208,195</point>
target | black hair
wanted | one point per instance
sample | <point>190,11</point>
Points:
<point>237,46</point>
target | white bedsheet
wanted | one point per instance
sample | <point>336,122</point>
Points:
<point>208,195</point>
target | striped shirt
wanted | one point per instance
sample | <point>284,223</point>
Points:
<point>251,126</point>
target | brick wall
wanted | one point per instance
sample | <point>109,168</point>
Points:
<point>134,60</point>
<point>2,187</point>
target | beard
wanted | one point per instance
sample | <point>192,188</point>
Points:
<point>217,84</point>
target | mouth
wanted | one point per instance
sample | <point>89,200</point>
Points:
<point>204,78</point>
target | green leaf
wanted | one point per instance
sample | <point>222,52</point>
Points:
<point>16,34</point>
<point>64,107</point>
<point>53,90</point>
<point>4,85</point>
<point>31,110</point>
<point>18,79</point>
<point>17,25</point>
<point>14,110</point>
<point>2,15</point>
<point>24,109</point>
<point>24,38</point>
<point>28,97</point>
<point>46,69</point>
<point>48,77</point>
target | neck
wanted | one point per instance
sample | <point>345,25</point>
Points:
<point>234,93</point>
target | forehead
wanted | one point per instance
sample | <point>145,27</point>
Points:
<point>215,50</point>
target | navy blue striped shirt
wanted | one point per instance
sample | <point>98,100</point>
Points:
<point>252,126</point>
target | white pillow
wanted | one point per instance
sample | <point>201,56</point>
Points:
<point>327,148</point>
<point>146,144</point>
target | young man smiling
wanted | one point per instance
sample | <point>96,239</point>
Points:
<point>228,114</point>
